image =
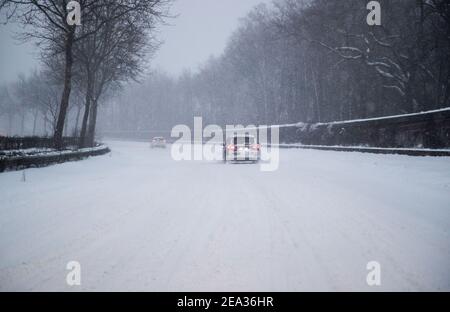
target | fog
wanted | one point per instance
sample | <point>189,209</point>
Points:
<point>15,57</point>
<point>230,62</point>
<point>198,29</point>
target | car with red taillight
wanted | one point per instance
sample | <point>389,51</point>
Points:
<point>242,148</point>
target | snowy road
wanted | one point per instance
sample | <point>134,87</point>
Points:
<point>140,221</point>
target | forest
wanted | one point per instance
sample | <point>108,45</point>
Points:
<point>287,62</point>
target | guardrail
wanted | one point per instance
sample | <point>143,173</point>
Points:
<point>374,150</point>
<point>427,130</point>
<point>49,157</point>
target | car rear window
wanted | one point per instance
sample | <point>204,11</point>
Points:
<point>243,140</point>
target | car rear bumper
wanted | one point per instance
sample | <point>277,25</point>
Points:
<point>243,156</point>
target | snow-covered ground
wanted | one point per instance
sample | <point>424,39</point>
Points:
<point>137,220</point>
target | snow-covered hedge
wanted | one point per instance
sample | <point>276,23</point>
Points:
<point>35,157</point>
<point>21,143</point>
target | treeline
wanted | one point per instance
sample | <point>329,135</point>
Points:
<point>305,61</point>
<point>88,48</point>
<point>29,106</point>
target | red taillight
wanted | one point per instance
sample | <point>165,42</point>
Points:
<point>231,147</point>
<point>256,147</point>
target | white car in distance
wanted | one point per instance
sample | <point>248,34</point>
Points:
<point>158,142</point>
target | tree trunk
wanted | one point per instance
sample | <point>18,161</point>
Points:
<point>10,118</point>
<point>45,124</point>
<point>77,121</point>
<point>317,115</point>
<point>35,116</point>
<point>92,123</point>
<point>87,108</point>
<point>83,130</point>
<point>58,134</point>
<point>22,123</point>
<point>66,126</point>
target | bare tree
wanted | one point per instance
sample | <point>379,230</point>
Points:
<point>46,21</point>
<point>115,53</point>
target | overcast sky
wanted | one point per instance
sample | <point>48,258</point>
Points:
<point>200,30</point>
